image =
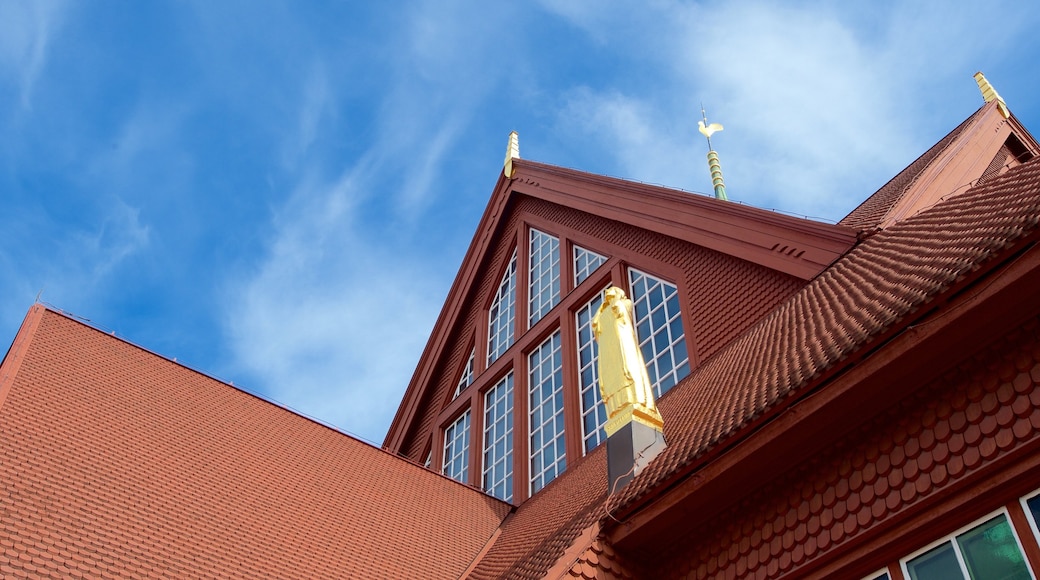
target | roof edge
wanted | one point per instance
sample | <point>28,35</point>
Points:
<point>796,246</point>
<point>39,309</point>
<point>397,432</point>
<point>16,353</point>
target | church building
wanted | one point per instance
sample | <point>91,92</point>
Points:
<point>854,400</point>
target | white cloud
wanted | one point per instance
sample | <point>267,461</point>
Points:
<point>26,29</point>
<point>332,322</point>
<point>119,236</point>
<point>318,98</point>
<point>821,104</point>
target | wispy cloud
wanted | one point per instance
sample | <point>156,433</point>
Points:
<point>819,102</point>
<point>330,323</point>
<point>25,32</point>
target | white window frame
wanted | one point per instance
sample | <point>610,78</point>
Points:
<point>467,375</point>
<point>508,381</point>
<point>505,302</point>
<point>550,472</point>
<point>653,367</point>
<point>581,274</point>
<point>1029,514</point>
<point>467,441</point>
<point>952,538</point>
<point>598,406</point>
<point>545,272</point>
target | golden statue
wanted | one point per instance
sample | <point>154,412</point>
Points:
<point>623,382</point>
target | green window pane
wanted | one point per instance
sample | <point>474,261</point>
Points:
<point>939,563</point>
<point>990,552</point>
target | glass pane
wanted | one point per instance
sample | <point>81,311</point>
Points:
<point>594,414</point>
<point>990,551</point>
<point>659,328</point>
<point>546,413</point>
<point>939,563</point>
<point>1034,508</point>
<point>544,275</point>
<point>498,439</point>
<point>500,316</point>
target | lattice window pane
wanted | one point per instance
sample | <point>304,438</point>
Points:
<point>467,375</point>
<point>585,263</point>
<point>456,449</point>
<point>544,287</point>
<point>987,550</point>
<point>501,316</point>
<point>548,452</point>
<point>660,330</point>
<point>498,439</point>
<point>593,412</point>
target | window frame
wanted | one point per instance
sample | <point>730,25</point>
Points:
<point>527,337</point>
<point>555,283</point>
<point>562,388</point>
<point>467,472</point>
<point>952,538</point>
<point>512,318</point>
<point>690,361</point>
<point>1033,525</point>
<point>482,451</point>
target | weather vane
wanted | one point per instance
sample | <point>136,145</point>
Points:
<point>713,158</point>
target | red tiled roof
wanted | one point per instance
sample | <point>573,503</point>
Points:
<point>866,292</point>
<point>543,527</point>
<point>873,210</point>
<point>854,301</point>
<point>115,461</point>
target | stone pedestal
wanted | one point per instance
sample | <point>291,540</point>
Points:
<point>629,450</point>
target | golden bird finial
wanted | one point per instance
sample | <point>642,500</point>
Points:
<point>512,152</point>
<point>709,130</point>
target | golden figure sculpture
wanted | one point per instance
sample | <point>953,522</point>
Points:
<point>623,382</point>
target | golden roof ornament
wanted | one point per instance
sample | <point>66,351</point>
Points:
<point>512,152</point>
<point>623,382</point>
<point>990,94</point>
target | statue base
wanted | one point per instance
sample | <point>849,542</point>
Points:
<point>630,449</point>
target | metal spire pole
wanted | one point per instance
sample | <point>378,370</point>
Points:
<point>713,158</point>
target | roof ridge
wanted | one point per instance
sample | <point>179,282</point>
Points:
<point>869,213</point>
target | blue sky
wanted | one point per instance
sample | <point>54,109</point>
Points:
<point>280,193</point>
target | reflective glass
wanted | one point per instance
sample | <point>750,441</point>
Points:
<point>939,563</point>
<point>546,414</point>
<point>467,375</point>
<point>498,439</point>
<point>585,263</point>
<point>660,330</point>
<point>456,449</point>
<point>500,316</point>
<point>544,285</point>
<point>593,413</point>
<point>990,551</point>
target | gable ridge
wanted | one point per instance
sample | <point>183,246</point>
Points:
<point>964,158</point>
<point>793,246</point>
